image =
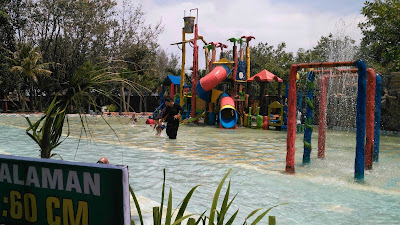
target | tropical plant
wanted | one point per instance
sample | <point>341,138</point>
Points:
<point>216,217</point>
<point>26,62</point>
<point>86,83</point>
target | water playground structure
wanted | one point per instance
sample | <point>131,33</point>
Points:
<point>224,100</point>
<point>367,117</point>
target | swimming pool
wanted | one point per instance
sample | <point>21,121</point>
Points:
<point>323,192</point>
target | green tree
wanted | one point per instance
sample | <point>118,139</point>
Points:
<point>276,60</point>
<point>381,41</point>
<point>7,45</point>
<point>135,42</point>
<point>27,64</point>
<point>88,82</point>
<point>70,33</point>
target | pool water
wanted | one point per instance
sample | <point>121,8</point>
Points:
<point>323,192</point>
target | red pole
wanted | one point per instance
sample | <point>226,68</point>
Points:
<point>322,118</point>
<point>195,68</point>
<point>370,118</point>
<point>291,126</point>
<point>172,90</point>
<point>324,64</point>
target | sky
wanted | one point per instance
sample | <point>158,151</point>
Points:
<point>298,23</point>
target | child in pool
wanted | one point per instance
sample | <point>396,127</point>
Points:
<point>159,127</point>
<point>133,119</point>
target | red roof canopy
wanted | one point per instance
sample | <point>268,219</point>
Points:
<point>265,76</point>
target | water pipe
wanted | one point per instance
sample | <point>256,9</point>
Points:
<point>195,66</point>
<point>377,130</point>
<point>322,117</point>
<point>309,117</point>
<point>360,120</point>
<point>248,39</point>
<point>370,120</point>
<point>181,98</point>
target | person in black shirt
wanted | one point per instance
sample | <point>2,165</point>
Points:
<point>172,116</point>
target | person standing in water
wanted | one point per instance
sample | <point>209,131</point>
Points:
<point>172,116</point>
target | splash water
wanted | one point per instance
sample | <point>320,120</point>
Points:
<point>341,100</point>
<point>342,85</point>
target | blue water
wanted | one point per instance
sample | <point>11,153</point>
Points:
<point>320,193</point>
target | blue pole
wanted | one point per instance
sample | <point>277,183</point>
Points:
<point>300,100</point>
<point>360,120</point>
<point>309,118</point>
<point>377,130</point>
<point>161,94</point>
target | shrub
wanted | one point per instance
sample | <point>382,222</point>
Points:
<point>216,217</point>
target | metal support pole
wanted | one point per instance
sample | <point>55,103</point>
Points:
<point>181,97</point>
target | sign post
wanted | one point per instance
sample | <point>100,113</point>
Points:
<point>55,192</point>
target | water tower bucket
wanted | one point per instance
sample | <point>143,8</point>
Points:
<point>189,24</point>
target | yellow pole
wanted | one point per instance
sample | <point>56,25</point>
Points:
<point>183,67</point>
<point>247,61</point>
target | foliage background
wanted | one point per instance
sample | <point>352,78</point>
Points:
<point>66,34</point>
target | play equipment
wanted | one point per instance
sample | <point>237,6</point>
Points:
<point>172,83</point>
<point>190,26</point>
<point>275,108</point>
<point>224,88</point>
<point>206,91</point>
<point>275,115</point>
<point>253,119</point>
<point>365,114</point>
<point>225,91</point>
<point>227,112</point>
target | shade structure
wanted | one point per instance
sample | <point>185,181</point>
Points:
<point>176,80</point>
<point>265,76</point>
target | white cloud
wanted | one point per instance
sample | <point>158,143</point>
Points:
<point>266,20</point>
